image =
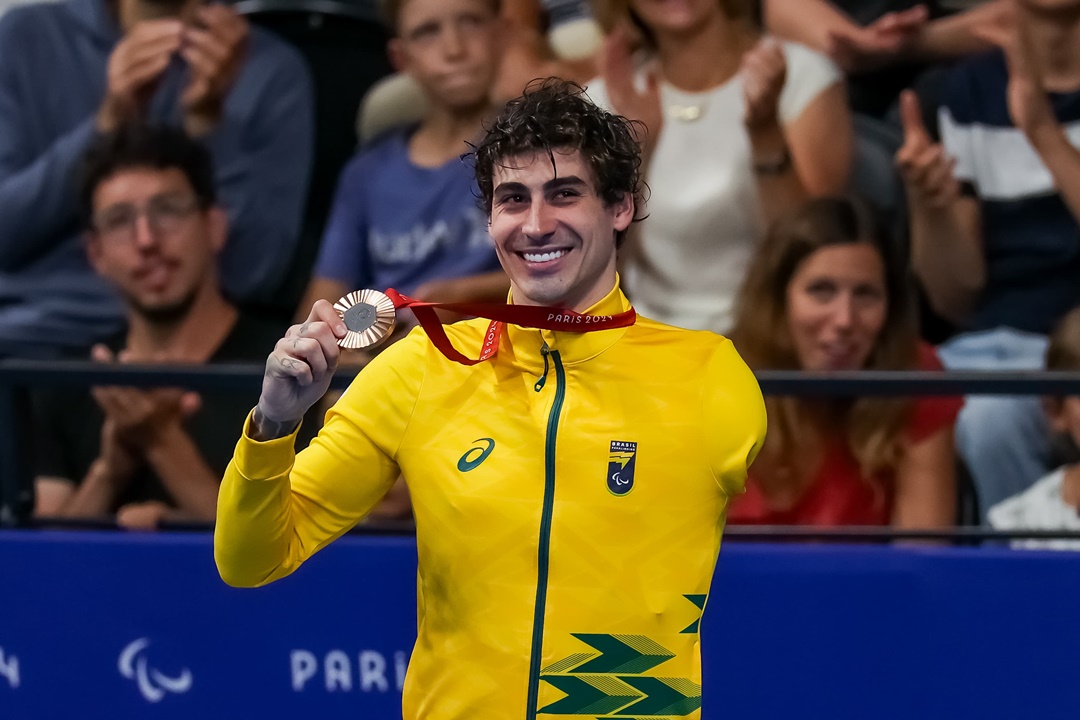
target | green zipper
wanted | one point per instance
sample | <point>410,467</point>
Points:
<point>543,554</point>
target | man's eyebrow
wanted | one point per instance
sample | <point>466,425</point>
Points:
<point>510,186</point>
<point>565,181</point>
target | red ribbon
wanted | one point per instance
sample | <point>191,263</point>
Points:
<point>532,316</point>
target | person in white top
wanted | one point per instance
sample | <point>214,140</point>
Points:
<point>739,129</point>
<point>1052,503</point>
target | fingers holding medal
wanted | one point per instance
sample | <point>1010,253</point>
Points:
<point>369,318</point>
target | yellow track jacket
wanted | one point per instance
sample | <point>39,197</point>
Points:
<point>569,497</point>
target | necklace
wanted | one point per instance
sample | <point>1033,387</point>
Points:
<point>686,113</point>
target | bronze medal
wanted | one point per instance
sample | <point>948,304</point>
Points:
<point>369,316</point>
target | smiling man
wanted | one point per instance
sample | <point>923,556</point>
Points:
<point>569,491</point>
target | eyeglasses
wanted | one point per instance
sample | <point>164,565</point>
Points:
<point>165,214</point>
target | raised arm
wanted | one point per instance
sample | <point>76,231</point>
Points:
<point>264,166</point>
<point>946,237</point>
<point>1031,111</point>
<point>894,37</point>
<point>38,207</point>
<point>799,148</point>
<point>275,508</point>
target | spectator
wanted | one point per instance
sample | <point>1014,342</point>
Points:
<point>71,69</point>
<point>1053,503</point>
<point>154,232</point>
<point>739,128</point>
<point>405,214</point>
<point>826,292</point>
<point>995,239</point>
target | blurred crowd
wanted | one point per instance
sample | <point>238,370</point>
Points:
<point>834,185</point>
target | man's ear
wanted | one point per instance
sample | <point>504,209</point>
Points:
<point>624,211</point>
<point>218,226</point>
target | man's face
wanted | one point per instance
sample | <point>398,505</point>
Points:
<point>554,235</point>
<point>153,241</point>
<point>450,47</point>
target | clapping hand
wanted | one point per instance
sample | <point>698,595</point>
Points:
<point>764,71</point>
<point>134,68</point>
<point>214,49</point>
<point>860,49</point>
<point>1029,105</point>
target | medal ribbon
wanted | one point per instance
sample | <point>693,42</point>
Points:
<point>531,316</point>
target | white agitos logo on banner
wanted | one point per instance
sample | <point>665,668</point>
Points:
<point>9,669</point>
<point>152,683</point>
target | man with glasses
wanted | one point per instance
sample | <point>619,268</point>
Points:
<point>70,70</point>
<point>155,233</point>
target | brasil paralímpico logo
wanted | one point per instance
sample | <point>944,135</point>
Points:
<point>622,457</point>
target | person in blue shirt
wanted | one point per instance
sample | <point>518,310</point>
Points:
<point>406,214</point>
<point>75,69</point>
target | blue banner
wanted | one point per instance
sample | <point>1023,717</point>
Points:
<point>139,626</point>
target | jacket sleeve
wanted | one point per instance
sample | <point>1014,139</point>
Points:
<point>263,170</point>
<point>734,418</point>
<point>277,508</point>
<point>37,190</point>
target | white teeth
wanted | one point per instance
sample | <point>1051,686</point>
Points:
<point>544,257</point>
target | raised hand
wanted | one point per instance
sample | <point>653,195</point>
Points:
<point>298,371</point>
<point>1029,105</point>
<point>214,49</point>
<point>764,71</point>
<point>628,100</point>
<point>860,49</point>
<point>926,169</point>
<point>133,70</point>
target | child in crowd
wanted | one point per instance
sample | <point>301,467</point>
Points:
<point>1053,503</point>
<point>405,214</point>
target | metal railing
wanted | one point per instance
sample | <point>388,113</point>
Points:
<point>18,376</point>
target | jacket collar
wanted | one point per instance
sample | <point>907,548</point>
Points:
<point>525,343</point>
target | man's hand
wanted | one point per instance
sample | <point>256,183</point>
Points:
<point>617,69</point>
<point>1029,105</point>
<point>926,169</point>
<point>134,68</point>
<point>298,372</point>
<point>861,49</point>
<point>140,418</point>
<point>142,515</point>
<point>764,71</point>
<point>214,49</point>
<point>116,460</point>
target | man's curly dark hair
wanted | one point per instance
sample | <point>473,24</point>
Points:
<point>555,115</point>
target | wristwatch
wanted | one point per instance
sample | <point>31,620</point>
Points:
<point>776,165</point>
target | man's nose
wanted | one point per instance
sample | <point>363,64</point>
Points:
<point>145,235</point>
<point>540,221</point>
